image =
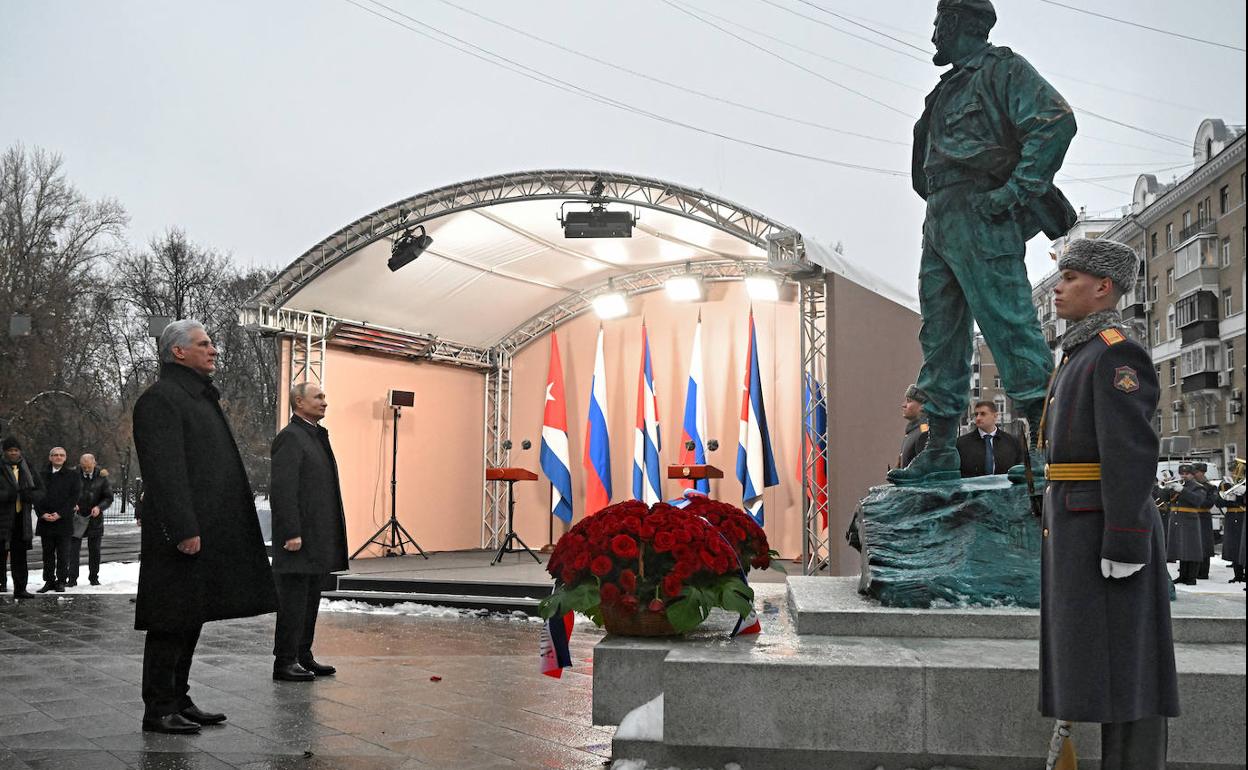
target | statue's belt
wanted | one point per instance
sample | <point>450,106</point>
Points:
<point>1073,471</point>
<point>938,180</point>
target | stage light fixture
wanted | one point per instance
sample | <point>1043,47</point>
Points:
<point>762,287</point>
<point>598,222</point>
<point>683,288</point>
<point>610,304</point>
<point>408,247</point>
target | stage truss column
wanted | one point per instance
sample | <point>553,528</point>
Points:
<point>815,545</point>
<point>497,431</point>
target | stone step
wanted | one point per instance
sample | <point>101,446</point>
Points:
<point>832,606</point>
<point>460,601</point>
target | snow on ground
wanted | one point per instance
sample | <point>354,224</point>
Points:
<point>644,723</point>
<point>116,577</point>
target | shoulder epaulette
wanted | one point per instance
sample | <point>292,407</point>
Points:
<point>1112,337</point>
<point>923,428</point>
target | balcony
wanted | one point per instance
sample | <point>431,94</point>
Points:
<point>1136,310</point>
<point>1200,228</point>
<point>1199,381</point>
<point>1200,330</point>
<point>1196,266</point>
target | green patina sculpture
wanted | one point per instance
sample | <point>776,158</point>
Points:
<point>992,136</point>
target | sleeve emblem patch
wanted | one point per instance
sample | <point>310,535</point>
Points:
<point>1126,379</point>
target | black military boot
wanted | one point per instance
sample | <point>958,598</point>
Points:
<point>939,460</point>
<point>1018,473</point>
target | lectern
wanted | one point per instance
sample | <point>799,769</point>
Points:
<point>511,476</point>
<point>694,472</point>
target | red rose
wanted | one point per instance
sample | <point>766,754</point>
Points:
<point>682,552</point>
<point>568,576</point>
<point>762,561</point>
<point>672,585</point>
<point>609,593</point>
<point>656,605</point>
<point>646,531</point>
<point>629,604</point>
<point>581,561</point>
<point>624,547</point>
<point>707,558</point>
<point>683,570</point>
<point>628,581</point>
<point>664,541</point>
<point>601,565</point>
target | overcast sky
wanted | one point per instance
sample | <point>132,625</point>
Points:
<point>261,126</point>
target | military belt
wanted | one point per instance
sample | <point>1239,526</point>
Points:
<point>1182,509</point>
<point>1234,509</point>
<point>1073,471</point>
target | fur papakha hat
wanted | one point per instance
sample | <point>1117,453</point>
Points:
<point>1104,259</point>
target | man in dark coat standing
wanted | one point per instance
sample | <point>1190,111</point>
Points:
<point>203,555</point>
<point>1231,501</point>
<point>20,492</point>
<point>988,450</point>
<point>1185,541</point>
<point>95,499</point>
<point>309,531</point>
<point>61,487</point>
<point>1106,646</point>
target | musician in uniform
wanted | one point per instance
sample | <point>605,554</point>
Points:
<point>1231,500</point>
<point>1106,645</point>
<point>1184,544</point>
<point>1206,519</point>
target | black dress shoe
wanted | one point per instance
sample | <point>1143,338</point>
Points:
<point>95,581</point>
<point>23,594</point>
<point>175,724</point>
<point>71,583</point>
<point>317,668</point>
<point>46,587</point>
<point>292,672</point>
<point>199,716</point>
<point>59,588</point>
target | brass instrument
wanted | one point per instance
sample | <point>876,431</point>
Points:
<point>1237,471</point>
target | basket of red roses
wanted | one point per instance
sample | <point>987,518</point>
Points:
<point>656,571</point>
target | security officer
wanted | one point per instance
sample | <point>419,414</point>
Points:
<point>1206,519</point>
<point>916,427</point>
<point>992,135</point>
<point>1184,542</point>
<point>1106,646</point>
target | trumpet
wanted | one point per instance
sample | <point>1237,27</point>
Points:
<point>1237,470</point>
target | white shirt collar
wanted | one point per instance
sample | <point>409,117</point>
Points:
<point>982,434</point>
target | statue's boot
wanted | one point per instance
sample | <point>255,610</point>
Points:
<point>1018,473</point>
<point>939,460</point>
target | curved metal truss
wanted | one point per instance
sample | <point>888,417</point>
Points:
<point>606,186</point>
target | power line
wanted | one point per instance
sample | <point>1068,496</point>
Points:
<point>867,40</point>
<point>669,84</point>
<point>864,26</point>
<point>1143,26</point>
<point>525,71</point>
<point>788,61</point>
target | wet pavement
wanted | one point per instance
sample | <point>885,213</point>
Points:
<point>411,692</point>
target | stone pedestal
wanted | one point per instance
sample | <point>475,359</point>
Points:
<point>967,542</point>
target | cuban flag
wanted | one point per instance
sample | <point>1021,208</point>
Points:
<point>555,462</point>
<point>553,647</point>
<point>646,440</point>
<point>756,465</point>
<point>693,428</point>
<point>597,440</point>
<point>814,466</point>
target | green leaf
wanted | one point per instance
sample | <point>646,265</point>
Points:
<point>689,610</point>
<point>736,596</point>
<point>552,605</point>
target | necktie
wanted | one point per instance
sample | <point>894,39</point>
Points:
<point>990,466</point>
<point>17,482</point>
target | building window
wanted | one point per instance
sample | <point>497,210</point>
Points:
<point>1156,332</point>
<point>1174,372</point>
<point>1187,218</point>
<point>1224,199</point>
<point>1229,355</point>
<point>1231,415</point>
<point>1227,310</point>
<point>1199,359</point>
<point>1191,419</point>
<point>1170,235</point>
<point>1226,252</point>
<point>1170,323</point>
<point>996,381</point>
<point>1229,453</point>
<point>1152,291</point>
<point>1211,413</point>
<point>1152,246</point>
<point>1174,422</point>
<point>1157,422</point>
<point>1170,281</point>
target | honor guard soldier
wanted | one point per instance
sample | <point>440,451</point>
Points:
<point>1184,542</point>
<point>1231,500</point>
<point>916,427</point>
<point>1206,519</point>
<point>1106,646</point>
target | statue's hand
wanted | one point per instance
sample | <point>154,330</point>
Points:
<point>994,204</point>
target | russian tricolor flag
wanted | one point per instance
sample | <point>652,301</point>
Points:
<point>553,647</point>
<point>814,466</point>
<point>597,440</point>
<point>646,441</point>
<point>756,465</point>
<point>554,456</point>
<point>693,428</point>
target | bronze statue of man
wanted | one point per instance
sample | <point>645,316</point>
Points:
<point>992,135</point>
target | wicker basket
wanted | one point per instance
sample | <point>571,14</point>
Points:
<point>642,623</point>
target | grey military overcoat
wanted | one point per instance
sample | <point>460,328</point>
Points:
<point>1106,649</point>
<point>1186,541</point>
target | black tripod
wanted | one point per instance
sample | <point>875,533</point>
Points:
<point>511,530</point>
<point>397,536</point>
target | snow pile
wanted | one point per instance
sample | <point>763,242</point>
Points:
<point>116,577</point>
<point>644,723</point>
<point>417,610</point>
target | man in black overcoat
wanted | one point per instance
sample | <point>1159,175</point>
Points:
<point>309,531</point>
<point>96,498</point>
<point>203,555</point>
<point>61,487</point>
<point>987,449</point>
<point>1106,646</point>
<point>20,492</point>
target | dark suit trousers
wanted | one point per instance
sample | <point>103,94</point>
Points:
<point>14,550</point>
<point>94,537</point>
<point>1138,745</point>
<point>298,600</point>
<point>167,659</point>
<point>56,551</point>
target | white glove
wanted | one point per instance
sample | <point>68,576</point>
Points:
<point>1119,569</point>
<point>1175,486</point>
<point>1233,492</point>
